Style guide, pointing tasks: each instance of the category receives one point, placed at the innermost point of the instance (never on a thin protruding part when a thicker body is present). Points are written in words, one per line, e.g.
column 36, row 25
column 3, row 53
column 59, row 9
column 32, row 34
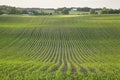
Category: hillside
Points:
column 64, row 47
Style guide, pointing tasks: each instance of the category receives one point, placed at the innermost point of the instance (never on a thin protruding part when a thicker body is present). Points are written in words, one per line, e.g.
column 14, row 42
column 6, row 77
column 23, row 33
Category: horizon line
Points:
column 60, row 7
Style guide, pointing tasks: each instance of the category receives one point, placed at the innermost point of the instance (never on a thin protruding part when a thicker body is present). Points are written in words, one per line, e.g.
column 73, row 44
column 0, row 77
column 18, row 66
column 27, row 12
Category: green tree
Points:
column 92, row 11
column 12, row 10
column 65, row 11
column 105, row 11
column 1, row 12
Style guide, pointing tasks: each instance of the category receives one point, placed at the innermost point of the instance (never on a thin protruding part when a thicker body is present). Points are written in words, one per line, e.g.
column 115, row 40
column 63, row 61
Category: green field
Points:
column 64, row 47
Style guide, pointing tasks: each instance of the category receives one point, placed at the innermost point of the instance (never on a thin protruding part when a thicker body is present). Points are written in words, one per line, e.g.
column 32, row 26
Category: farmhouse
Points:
column 74, row 9
column 98, row 11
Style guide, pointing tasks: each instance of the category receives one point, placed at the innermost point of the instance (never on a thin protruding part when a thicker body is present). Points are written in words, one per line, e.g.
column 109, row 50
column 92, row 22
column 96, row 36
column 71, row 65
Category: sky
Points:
column 115, row 4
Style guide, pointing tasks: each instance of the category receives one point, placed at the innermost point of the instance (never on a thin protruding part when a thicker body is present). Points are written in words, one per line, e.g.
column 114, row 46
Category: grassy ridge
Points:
column 60, row 47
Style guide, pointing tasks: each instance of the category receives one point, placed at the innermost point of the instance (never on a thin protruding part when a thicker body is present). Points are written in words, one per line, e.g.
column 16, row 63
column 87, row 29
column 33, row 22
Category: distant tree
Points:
column 65, row 11
column 85, row 9
column 50, row 13
column 42, row 12
column 92, row 11
column 36, row 12
column 12, row 10
column 1, row 12
column 116, row 11
column 105, row 11
column 18, row 11
column 110, row 11
column 79, row 9
column 24, row 11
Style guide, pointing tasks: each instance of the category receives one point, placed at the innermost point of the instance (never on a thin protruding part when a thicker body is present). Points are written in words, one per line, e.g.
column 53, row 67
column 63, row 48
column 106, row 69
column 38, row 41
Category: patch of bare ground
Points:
column 56, row 68
column 11, row 69
column 64, row 68
column 102, row 70
column 45, row 69
column 92, row 70
column 83, row 70
column 65, row 65
column 75, row 56
column 26, row 68
column 56, row 59
column 34, row 69
column 73, row 68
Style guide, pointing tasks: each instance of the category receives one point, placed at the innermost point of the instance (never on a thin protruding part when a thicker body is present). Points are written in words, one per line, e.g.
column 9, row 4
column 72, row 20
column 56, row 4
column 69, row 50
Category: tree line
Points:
column 41, row 11
column 16, row 10
column 104, row 11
